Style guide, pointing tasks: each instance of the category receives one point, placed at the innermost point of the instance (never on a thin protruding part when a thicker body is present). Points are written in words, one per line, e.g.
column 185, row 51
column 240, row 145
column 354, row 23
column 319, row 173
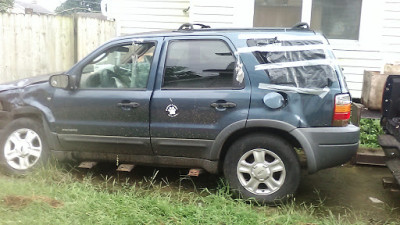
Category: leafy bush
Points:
column 370, row 129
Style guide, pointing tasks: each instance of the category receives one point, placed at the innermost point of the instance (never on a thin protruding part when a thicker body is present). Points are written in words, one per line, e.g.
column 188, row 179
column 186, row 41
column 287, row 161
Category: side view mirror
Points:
column 60, row 81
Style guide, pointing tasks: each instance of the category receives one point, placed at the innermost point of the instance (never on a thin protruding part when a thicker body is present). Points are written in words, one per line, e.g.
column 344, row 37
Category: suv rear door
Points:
column 201, row 88
column 299, row 70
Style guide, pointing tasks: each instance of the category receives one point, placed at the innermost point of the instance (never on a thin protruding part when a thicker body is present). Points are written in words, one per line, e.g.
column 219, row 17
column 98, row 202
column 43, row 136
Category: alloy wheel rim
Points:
column 261, row 171
column 22, row 149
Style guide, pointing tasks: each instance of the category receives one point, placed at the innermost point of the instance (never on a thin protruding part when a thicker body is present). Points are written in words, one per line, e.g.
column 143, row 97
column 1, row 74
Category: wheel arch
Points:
column 282, row 129
column 28, row 112
column 37, row 115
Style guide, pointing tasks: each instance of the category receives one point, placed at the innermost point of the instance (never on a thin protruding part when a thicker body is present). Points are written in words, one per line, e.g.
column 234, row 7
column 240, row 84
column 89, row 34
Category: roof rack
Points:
column 189, row 26
column 301, row 26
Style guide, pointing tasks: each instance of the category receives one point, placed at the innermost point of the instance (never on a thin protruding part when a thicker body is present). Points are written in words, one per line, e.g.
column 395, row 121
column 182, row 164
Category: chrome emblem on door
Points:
column 172, row 110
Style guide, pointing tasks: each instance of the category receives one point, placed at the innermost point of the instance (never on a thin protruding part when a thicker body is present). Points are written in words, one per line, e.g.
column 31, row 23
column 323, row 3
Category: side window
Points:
column 124, row 66
column 200, row 64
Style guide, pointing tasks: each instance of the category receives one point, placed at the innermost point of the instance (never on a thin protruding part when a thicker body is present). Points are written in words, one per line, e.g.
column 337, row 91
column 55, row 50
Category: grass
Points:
column 370, row 129
column 54, row 195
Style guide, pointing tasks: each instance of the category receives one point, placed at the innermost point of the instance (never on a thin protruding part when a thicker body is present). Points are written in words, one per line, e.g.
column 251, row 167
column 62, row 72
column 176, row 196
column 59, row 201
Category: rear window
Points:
column 294, row 63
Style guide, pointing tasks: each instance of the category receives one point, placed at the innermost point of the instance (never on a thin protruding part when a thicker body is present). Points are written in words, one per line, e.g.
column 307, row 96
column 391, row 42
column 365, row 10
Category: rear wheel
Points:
column 262, row 167
column 23, row 146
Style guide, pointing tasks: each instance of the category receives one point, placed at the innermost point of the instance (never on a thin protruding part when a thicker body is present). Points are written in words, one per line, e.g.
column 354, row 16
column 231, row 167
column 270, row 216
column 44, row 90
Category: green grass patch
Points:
column 54, row 195
column 370, row 129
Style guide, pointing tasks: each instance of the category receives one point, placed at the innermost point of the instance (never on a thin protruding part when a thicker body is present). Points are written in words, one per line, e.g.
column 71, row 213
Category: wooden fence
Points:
column 32, row 45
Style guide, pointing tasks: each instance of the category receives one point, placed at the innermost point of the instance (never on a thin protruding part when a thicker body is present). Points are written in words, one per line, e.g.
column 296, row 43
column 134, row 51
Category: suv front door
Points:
column 201, row 88
column 109, row 110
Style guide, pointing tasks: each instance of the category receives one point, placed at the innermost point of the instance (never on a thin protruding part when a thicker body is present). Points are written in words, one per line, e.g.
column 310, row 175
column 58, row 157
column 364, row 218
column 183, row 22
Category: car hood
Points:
column 26, row 82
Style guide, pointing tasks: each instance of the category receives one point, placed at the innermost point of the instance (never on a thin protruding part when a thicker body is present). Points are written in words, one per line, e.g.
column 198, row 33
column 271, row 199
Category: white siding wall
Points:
column 391, row 31
column 354, row 61
column 222, row 13
column 214, row 13
column 135, row 16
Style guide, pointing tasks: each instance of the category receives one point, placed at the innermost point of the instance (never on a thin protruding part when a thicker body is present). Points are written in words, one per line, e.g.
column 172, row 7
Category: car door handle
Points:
column 222, row 105
column 128, row 104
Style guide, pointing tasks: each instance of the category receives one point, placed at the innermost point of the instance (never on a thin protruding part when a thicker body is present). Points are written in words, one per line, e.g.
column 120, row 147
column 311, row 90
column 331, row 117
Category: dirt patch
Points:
column 52, row 202
column 15, row 201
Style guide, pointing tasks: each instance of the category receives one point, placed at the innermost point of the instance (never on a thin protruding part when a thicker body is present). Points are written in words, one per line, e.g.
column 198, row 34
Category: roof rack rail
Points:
column 189, row 26
column 301, row 26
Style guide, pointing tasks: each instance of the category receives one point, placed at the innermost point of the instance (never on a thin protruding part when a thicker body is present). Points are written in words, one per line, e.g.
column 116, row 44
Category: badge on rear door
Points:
column 172, row 110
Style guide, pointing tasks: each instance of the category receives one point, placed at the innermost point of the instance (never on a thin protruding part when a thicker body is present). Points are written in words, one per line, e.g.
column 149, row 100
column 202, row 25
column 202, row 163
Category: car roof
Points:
column 220, row 31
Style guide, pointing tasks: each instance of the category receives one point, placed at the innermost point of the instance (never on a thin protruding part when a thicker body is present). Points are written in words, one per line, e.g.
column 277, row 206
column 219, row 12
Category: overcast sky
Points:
column 48, row 4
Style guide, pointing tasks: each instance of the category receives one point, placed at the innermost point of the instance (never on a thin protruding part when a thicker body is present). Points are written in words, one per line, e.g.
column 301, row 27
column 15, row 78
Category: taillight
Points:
column 342, row 110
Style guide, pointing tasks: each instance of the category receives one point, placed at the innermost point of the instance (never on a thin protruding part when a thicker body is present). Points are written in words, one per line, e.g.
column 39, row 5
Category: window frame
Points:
column 97, row 54
column 306, row 14
column 365, row 33
column 200, row 38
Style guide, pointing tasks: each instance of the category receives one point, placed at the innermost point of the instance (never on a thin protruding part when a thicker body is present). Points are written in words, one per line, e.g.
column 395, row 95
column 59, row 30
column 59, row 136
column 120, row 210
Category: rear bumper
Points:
column 328, row 146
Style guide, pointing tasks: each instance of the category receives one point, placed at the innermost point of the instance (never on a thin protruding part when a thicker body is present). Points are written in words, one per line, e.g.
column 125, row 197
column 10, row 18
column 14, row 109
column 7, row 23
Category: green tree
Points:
column 74, row 6
column 5, row 5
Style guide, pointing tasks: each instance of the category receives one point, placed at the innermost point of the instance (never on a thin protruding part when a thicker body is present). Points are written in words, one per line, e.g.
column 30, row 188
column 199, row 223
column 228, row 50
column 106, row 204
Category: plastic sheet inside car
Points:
column 294, row 63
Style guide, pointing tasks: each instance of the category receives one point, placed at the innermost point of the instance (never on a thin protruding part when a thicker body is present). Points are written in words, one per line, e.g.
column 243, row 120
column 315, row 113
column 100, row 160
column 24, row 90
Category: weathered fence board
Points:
column 91, row 33
column 31, row 45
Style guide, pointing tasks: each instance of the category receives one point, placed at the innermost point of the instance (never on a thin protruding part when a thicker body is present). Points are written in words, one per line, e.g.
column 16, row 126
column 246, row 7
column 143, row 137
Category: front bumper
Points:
column 328, row 146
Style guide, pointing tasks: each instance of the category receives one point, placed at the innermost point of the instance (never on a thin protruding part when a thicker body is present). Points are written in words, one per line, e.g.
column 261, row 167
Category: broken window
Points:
column 294, row 63
column 119, row 67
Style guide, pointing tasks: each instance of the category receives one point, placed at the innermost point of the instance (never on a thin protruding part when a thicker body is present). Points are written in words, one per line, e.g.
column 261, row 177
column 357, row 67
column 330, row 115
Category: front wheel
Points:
column 262, row 167
column 23, row 146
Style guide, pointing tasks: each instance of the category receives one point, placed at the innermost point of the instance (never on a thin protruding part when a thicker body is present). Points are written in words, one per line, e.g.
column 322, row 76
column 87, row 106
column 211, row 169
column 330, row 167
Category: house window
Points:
column 336, row 19
column 277, row 13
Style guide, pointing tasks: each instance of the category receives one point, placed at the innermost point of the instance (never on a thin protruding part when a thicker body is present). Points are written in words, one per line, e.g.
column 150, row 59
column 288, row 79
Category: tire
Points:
column 262, row 167
column 23, row 146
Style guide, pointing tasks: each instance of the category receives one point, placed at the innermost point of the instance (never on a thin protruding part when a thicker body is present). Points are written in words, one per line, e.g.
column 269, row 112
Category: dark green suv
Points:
column 232, row 101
